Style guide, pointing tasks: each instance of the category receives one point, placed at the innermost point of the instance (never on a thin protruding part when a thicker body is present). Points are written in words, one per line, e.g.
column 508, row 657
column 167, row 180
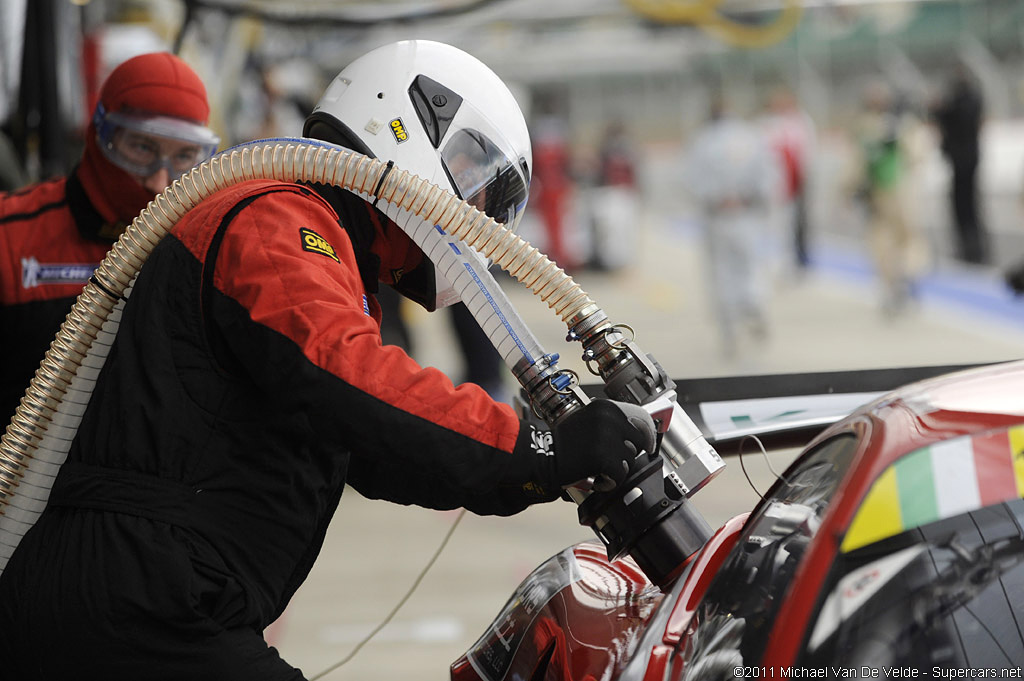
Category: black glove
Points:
column 600, row 440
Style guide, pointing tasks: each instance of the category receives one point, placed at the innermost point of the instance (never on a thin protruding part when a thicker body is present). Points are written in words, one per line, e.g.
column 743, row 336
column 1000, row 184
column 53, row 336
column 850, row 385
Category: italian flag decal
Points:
column 940, row 481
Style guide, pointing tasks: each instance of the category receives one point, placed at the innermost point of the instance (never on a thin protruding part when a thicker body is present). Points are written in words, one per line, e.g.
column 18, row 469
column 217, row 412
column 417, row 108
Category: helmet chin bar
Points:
column 648, row 517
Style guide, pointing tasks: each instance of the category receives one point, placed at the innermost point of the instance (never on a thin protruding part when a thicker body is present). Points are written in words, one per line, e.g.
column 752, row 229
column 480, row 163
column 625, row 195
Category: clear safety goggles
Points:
column 142, row 144
column 485, row 176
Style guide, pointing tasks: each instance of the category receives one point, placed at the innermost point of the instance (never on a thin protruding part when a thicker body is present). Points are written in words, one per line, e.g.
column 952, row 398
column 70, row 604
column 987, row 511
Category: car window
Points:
column 732, row 623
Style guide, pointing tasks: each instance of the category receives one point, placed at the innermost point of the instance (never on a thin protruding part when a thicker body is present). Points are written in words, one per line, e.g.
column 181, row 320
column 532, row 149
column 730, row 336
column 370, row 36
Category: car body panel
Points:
column 936, row 410
column 578, row 616
column 968, row 423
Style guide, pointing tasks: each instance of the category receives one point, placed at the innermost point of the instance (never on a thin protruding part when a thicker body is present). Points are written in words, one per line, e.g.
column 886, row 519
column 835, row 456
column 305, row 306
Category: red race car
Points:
column 892, row 547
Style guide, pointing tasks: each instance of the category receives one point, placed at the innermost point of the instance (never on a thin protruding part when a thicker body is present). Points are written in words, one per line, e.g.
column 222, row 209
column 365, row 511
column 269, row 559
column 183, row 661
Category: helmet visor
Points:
column 142, row 145
column 485, row 176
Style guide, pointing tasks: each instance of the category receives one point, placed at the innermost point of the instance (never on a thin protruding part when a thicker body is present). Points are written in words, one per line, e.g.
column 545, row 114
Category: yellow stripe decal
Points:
column 1017, row 453
column 879, row 516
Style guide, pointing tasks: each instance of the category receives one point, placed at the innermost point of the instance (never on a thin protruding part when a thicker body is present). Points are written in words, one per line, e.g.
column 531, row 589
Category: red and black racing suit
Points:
column 51, row 241
column 246, row 386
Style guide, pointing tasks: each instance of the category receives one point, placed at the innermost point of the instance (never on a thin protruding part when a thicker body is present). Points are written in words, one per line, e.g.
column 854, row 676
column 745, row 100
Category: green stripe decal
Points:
column 915, row 480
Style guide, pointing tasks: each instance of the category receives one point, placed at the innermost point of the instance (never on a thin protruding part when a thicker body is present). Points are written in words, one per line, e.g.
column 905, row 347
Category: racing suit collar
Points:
column 398, row 254
column 91, row 224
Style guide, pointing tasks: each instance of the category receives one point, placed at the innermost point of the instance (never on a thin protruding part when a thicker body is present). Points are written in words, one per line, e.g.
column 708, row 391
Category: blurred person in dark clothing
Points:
column 148, row 128
column 12, row 175
column 481, row 363
column 393, row 329
column 959, row 118
column 617, row 162
column 614, row 201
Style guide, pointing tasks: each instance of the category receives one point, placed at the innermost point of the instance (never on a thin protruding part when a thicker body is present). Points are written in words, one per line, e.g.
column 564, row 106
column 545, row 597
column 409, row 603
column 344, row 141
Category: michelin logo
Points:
column 34, row 273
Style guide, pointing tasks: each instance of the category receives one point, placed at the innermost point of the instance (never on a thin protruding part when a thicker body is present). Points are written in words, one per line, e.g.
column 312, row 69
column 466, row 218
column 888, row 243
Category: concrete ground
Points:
column 828, row 318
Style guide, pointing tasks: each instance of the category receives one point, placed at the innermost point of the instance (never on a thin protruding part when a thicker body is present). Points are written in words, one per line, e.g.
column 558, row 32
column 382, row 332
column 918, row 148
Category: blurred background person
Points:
column 148, row 128
column 731, row 175
column 393, row 328
column 791, row 135
column 890, row 142
column 614, row 200
column 12, row 175
column 551, row 190
column 481, row 363
column 959, row 115
column 287, row 90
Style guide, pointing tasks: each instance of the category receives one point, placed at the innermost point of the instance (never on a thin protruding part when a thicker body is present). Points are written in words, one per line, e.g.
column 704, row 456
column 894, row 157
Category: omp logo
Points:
column 398, row 130
column 541, row 441
column 314, row 243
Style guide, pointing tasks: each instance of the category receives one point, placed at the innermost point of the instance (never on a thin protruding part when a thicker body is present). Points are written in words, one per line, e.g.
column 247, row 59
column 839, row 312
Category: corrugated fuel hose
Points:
column 39, row 435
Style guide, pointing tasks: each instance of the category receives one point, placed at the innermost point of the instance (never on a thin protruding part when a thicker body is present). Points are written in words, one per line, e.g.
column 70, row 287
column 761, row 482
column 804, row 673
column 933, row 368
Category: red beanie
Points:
column 158, row 83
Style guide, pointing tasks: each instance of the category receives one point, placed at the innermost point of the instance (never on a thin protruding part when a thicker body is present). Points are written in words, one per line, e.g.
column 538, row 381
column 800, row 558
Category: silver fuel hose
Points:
column 38, row 438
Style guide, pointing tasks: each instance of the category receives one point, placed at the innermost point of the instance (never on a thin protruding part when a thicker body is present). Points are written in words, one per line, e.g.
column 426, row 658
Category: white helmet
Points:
column 439, row 113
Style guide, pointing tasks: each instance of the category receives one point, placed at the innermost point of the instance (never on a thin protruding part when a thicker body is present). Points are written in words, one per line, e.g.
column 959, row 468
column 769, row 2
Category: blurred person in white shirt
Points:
column 732, row 176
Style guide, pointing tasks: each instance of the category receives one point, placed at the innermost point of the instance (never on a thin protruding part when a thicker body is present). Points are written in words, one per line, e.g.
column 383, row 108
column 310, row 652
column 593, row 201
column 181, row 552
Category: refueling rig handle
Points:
column 647, row 516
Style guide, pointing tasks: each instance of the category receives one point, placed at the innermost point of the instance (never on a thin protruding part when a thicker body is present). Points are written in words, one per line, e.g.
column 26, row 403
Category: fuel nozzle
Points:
column 631, row 376
column 648, row 515
column 683, row 447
